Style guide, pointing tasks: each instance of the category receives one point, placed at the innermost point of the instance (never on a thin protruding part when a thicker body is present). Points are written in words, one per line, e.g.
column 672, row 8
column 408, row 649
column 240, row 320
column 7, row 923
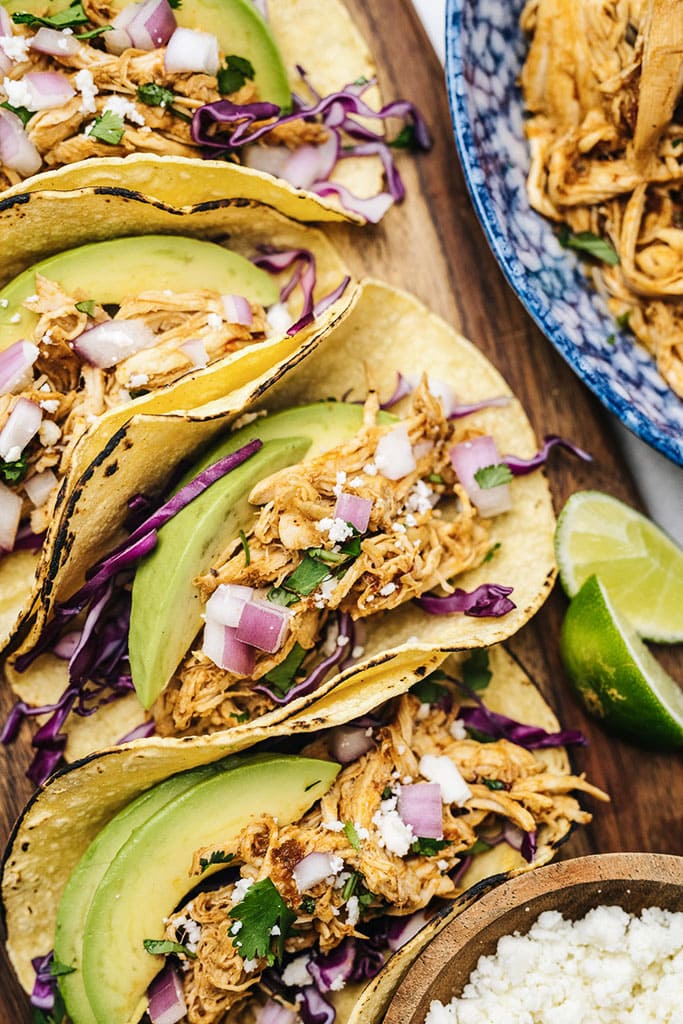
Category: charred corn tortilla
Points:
column 42, row 224
column 383, row 324
column 320, row 38
column 63, row 819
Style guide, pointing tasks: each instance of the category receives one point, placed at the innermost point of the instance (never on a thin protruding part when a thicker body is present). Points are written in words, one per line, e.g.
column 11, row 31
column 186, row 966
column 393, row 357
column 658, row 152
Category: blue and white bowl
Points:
column 485, row 50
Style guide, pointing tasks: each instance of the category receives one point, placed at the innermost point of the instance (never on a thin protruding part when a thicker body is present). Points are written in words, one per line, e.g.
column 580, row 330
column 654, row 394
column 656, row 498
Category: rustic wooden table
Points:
column 433, row 246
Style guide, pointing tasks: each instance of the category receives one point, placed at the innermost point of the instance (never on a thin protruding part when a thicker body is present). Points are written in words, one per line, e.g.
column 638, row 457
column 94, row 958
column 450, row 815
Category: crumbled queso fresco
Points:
column 610, row 967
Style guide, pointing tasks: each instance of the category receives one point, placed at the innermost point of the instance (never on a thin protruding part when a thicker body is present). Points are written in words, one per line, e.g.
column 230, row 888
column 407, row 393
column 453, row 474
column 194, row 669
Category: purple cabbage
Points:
column 520, row 467
column 140, row 732
column 490, row 600
column 43, row 992
column 486, row 403
column 313, row 1008
column 304, row 274
column 339, row 657
column 27, row 540
column 531, row 737
column 327, row 970
column 528, row 848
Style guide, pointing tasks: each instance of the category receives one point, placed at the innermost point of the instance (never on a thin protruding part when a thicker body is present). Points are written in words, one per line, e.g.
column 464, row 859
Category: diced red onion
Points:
column 405, row 928
column 308, row 164
column 53, row 42
column 237, row 310
column 67, row 645
column 15, row 365
column 263, row 625
column 403, row 388
column 354, row 510
column 43, row 992
column 16, row 149
column 166, row 1000
column 275, row 1013
column 469, row 457
column 107, row 344
column 347, row 743
column 118, row 40
column 227, row 602
column 420, row 806
column 152, row 26
column 40, row 486
column 48, row 89
column 10, row 514
column 269, row 159
column 5, row 22
column 5, row 61
column 189, row 50
column 23, row 425
column 394, row 456
column 225, row 650
column 195, row 350
column 312, row 870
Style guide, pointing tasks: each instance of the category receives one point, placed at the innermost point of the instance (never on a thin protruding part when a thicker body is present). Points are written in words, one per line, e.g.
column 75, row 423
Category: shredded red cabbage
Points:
column 333, row 970
column 529, row 844
column 490, row 600
column 27, row 540
column 486, row 403
column 460, row 869
column 275, row 262
column 313, row 1009
column 43, row 993
column 531, row 737
column 339, row 657
column 520, row 467
column 140, row 732
column 402, row 390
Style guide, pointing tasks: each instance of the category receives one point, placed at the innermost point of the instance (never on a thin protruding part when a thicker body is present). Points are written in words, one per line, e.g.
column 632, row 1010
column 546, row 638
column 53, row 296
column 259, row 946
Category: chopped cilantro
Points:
column 94, row 32
column 428, row 691
column 161, row 947
column 493, row 476
column 428, row 847
column 475, row 670
column 13, row 472
column 58, row 969
column 234, row 74
column 245, row 547
column 355, row 884
column 406, row 139
column 677, row 142
column 387, row 793
column 351, row 547
column 590, row 243
column 331, row 557
column 216, row 857
column 494, row 784
column 307, row 576
column 108, row 128
column 70, row 16
column 350, row 886
column 22, row 113
column 278, row 595
column 87, row 306
column 480, row 737
column 244, row 717
column 435, row 478
column 282, row 677
column 307, row 905
column 175, row 4
column 352, row 834
column 479, row 847
column 157, row 96
column 491, row 552
column 361, row 81
column 611, row 339
column 260, row 910
column 313, row 569
column 624, row 319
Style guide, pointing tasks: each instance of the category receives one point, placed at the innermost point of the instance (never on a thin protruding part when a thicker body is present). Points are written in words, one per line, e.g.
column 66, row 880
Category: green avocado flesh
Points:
column 166, row 609
column 240, row 29
column 148, row 877
column 111, row 271
column 77, row 896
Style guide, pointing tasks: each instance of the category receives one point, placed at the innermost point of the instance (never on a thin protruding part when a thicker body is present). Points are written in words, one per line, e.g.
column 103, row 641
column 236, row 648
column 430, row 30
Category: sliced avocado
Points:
column 166, row 610
column 111, row 271
column 148, row 877
column 237, row 24
column 77, row 896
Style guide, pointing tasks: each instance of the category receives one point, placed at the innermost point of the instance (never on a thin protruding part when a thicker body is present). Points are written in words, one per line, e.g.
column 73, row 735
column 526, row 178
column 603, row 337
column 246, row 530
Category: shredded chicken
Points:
column 411, row 547
column 219, row 985
column 602, row 82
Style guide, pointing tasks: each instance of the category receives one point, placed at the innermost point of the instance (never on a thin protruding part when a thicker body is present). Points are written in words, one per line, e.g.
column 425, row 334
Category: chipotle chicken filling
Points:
column 378, row 864
column 71, row 393
column 602, row 83
column 422, row 532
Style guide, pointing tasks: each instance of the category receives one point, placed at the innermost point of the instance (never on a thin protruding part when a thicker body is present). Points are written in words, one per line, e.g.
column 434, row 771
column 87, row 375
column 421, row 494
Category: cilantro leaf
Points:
column 22, row 113
column 13, row 472
column 624, row 318
column 278, row 595
column 108, row 128
column 388, row 792
column 428, row 691
column 282, row 677
column 307, row 905
column 244, row 717
column 426, row 847
column 161, row 947
column 216, row 857
column 307, row 576
column 494, row 784
column 493, row 476
column 58, row 969
column 87, row 306
column 155, row 95
column 175, row 4
column 611, row 339
column 352, row 834
column 350, row 886
column 406, row 139
column 479, row 847
column 235, row 73
column 70, row 16
column 491, row 552
column 475, row 670
column 590, row 243
column 245, row 547
column 261, row 909
column 95, row 32
column 435, row 478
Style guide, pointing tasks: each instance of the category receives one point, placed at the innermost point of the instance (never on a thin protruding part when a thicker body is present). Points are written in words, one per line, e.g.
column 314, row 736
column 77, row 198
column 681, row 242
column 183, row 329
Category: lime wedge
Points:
column 640, row 566
column 614, row 674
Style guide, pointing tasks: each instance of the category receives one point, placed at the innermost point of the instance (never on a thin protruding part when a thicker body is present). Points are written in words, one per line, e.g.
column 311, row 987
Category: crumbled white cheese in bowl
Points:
column 609, row 967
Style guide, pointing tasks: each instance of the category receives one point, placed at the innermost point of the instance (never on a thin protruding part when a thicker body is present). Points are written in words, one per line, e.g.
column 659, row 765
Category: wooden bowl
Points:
column 630, row 880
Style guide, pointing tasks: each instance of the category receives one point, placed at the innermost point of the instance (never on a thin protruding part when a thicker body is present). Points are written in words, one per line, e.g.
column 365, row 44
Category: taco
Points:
column 139, row 323
column 190, row 86
column 342, row 530
column 281, row 882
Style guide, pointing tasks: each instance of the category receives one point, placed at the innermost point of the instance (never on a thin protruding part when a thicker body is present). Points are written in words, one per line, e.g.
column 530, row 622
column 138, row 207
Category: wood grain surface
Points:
column 433, row 245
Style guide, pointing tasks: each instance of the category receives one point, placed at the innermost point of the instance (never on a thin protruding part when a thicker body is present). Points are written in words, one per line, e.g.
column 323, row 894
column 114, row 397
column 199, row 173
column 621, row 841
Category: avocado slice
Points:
column 78, row 894
column 113, row 270
column 149, row 877
column 166, row 611
column 239, row 27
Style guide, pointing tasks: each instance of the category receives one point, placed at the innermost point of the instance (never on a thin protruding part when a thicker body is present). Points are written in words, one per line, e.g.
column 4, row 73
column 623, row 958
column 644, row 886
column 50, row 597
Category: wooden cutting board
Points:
column 433, row 245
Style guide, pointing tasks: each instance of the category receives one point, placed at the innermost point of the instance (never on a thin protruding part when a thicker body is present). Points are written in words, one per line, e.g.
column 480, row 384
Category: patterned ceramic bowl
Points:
column 485, row 51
